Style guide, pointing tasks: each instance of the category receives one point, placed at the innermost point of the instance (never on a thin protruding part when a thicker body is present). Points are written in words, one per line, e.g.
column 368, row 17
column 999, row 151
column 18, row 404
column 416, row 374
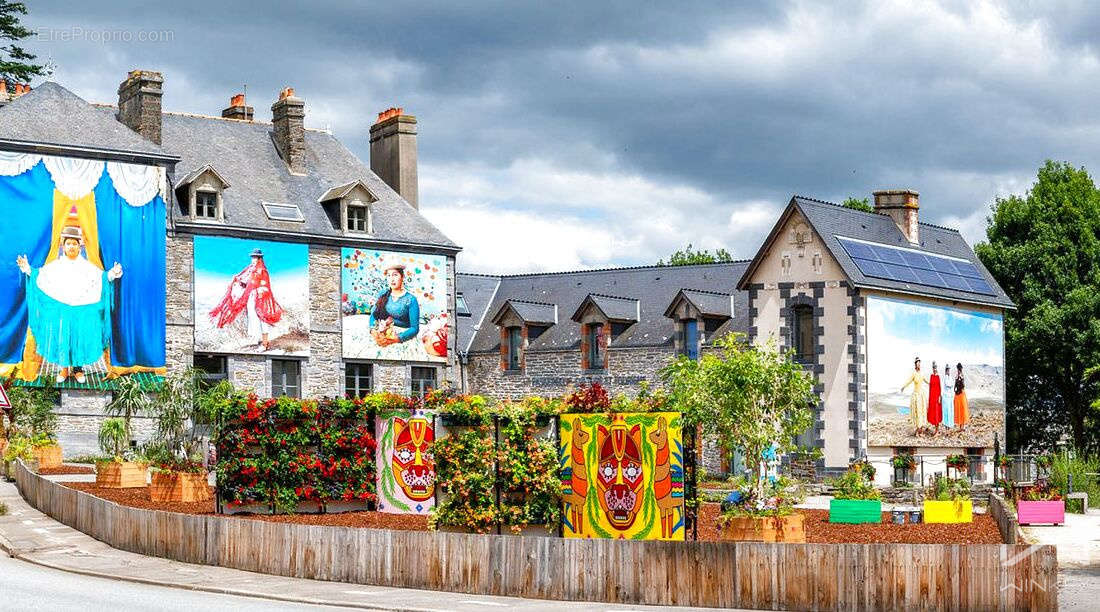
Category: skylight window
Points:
column 461, row 309
column 283, row 212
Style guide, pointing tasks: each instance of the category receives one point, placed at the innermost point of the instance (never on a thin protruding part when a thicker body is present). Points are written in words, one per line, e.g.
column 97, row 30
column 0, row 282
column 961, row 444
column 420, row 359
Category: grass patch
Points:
column 3, row 508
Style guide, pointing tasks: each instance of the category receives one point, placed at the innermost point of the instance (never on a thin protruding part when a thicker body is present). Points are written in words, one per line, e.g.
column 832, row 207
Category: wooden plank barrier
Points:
column 714, row 574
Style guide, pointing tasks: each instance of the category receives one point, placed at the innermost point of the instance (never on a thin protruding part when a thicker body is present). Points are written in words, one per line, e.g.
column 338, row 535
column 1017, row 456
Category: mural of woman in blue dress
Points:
column 396, row 314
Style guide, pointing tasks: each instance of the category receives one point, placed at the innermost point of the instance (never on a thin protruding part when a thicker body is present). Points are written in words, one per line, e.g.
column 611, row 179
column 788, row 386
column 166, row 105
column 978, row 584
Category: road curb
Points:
column 222, row 590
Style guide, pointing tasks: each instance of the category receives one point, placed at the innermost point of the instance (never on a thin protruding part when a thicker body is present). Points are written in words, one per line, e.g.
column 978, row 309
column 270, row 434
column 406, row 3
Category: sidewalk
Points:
column 1078, row 541
column 31, row 536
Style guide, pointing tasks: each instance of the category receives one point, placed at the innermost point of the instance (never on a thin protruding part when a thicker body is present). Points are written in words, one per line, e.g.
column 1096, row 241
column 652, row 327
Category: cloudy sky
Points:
column 560, row 135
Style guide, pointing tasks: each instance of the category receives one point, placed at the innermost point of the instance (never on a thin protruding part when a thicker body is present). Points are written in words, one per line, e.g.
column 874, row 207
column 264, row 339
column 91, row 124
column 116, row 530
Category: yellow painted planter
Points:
column 948, row 511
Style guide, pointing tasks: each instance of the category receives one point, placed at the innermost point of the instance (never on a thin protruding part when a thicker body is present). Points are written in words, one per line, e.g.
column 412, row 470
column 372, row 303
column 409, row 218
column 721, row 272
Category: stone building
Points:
column 279, row 181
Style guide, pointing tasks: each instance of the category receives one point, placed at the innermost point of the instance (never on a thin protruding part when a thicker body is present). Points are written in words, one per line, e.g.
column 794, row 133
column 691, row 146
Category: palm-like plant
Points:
column 113, row 437
column 130, row 400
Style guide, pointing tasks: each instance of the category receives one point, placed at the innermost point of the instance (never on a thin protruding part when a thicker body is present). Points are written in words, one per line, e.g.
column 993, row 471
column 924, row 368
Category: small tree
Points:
column 32, row 412
column 130, row 400
column 748, row 398
column 176, row 410
column 113, row 438
column 858, row 204
column 15, row 61
column 688, row 257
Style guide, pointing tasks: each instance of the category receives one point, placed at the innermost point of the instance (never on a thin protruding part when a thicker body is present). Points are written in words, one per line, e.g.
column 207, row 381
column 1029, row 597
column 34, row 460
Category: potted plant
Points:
column 124, row 470
column 755, row 399
column 178, row 471
column 855, row 499
column 1040, row 503
column 948, row 501
column 957, row 462
column 770, row 518
column 904, row 463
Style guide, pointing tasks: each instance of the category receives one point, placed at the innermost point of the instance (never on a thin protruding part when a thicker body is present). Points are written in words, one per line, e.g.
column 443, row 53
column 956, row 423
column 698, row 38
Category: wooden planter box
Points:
column 855, row 511
column 1033, row 512
column 48, row 456
column 765, row 529
column 120, row 474
column 948, row 511
column 179, row 487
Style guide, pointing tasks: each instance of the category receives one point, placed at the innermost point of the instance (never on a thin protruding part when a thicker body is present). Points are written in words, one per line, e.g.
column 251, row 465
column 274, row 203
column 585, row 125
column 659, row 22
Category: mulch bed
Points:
column 138, row 497
column 66, row 470
column 818, row 529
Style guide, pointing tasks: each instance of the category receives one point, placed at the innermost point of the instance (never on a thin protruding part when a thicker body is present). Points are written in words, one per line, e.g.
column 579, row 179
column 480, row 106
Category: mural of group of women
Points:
column 944, row 401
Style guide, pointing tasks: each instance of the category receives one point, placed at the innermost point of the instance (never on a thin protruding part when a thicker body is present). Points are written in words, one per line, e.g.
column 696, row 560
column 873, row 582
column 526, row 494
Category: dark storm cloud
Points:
column 653, row 123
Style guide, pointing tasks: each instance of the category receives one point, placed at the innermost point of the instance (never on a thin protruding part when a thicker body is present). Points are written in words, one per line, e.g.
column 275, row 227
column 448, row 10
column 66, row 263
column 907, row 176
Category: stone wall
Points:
column 80, row 416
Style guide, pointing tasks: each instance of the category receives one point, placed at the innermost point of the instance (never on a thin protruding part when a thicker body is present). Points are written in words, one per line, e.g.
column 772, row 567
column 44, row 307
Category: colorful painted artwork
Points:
column 251, row 296
column 406, row 472
column 394, row 305
column 623, row 476
column 82, row 271
column 935, row 375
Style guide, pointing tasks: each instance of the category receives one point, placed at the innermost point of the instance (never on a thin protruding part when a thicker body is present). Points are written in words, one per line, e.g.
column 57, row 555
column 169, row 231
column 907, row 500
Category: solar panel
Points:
column 909, row 266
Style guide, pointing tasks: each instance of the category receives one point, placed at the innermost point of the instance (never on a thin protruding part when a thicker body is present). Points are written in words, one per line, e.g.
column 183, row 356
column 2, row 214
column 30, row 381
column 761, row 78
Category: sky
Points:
column 218, row 256
column 567, row 135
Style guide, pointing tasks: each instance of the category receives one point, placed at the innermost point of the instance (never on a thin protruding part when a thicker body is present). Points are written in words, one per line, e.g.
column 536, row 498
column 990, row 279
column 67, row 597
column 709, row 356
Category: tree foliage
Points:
column 687, row 257
column 1044, row 250
column 15, row 62
column 862, row 204
column 748, row 398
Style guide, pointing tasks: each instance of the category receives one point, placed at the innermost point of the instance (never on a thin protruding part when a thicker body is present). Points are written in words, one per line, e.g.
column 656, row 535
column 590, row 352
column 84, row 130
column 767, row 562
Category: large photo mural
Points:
column 394, row 305
column 406, row 469
column 82, row 271
column 935, row 375
column 622, row 476
column 251, row 296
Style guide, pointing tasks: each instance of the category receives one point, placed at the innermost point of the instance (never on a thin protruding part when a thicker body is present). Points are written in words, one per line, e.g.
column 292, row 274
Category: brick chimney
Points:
column 237, row 109
column 393, row 152
column 139, row 103
column 7, row 95
column 901, row 205
column 288, row 119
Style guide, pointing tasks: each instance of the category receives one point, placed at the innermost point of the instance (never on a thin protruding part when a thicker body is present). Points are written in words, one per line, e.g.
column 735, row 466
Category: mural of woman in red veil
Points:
column 250, row 292
column 935, row 408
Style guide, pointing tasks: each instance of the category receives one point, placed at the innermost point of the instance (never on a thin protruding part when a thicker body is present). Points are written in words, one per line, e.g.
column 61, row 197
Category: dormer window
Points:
column 348, row 207
column 206, row 205
column 515, row 348
column 357, row 218
column 595, row 352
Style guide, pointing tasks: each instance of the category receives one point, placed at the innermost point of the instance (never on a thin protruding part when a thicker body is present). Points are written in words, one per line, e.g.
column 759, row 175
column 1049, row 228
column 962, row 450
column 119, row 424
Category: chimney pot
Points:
column 288, row 120
column 139, row 103
column 238, row 109
column 393, row 152
column 901, row 205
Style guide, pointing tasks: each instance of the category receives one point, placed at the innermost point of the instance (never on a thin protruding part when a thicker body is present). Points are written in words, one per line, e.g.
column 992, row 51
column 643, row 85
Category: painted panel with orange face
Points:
column 406, row 469
column 622, row 475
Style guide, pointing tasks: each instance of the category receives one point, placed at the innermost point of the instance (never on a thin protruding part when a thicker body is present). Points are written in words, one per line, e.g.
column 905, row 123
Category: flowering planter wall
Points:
column 120, row 474
column 855, row 511
column 1034, row 512
column 948, row 511
column 179, row 487
column 48, row 456
column 764, row 529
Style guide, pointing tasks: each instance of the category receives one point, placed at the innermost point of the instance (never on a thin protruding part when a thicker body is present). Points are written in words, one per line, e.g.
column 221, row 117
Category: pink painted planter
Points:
column 1032, row 512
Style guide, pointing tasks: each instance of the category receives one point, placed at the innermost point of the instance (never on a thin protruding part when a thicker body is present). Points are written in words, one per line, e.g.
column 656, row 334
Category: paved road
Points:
column 25, row 586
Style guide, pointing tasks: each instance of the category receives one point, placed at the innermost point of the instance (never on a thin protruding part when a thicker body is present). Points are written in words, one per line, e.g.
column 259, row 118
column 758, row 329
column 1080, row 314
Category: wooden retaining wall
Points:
column 719, row 574
column 1005, row 517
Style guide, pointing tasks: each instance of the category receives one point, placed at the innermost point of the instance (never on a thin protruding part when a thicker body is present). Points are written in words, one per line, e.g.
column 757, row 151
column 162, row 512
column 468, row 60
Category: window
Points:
column 286, row 378
column 283, row 212
column 423, row 380
column 802, row 333
column 594, row 335
column 515, row 348
column 461, row 309
column 689, row 338
column 357, row 218
column 214, row 369
column 357, row 379
column 711, row 325
column 206, row 205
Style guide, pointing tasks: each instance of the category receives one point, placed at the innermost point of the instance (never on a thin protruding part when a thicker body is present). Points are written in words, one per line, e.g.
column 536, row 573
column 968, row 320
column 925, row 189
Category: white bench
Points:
column 1084, row 497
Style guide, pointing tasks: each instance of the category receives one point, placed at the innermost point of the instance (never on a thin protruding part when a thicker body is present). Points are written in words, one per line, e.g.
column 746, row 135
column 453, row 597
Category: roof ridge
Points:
column 614, row 269
column 705, row 291
column 481, row 274
column 214, row 117
column 815, row 200
column 615, row 297
column 530, row 302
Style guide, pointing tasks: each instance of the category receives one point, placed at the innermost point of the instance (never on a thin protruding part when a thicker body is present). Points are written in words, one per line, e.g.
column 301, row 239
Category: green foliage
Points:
column 89, row 458
column 464, row 475
column 32, row 409
column 765, row 498
column 113, row 438
column 854, row 484
column 687, row 257
column 19, row 447
column 904, row 460
column 949, row 489
column 15, row 62
column 865, row 466
column 527, row 466
column 1044, row 250
column 3, row 509
column 858, row 204
column 1082, row 470
column 130, row 400
column 748, row 398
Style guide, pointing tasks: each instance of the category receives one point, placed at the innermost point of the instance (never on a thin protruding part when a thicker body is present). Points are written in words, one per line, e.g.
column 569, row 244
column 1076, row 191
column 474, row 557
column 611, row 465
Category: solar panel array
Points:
column 908, row 266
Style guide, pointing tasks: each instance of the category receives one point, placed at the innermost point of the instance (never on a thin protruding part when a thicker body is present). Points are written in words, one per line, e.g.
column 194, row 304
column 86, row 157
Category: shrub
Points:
column 854, row 485
column 949, row 489
column 3, row 509
column 1065, row 465
column 33, row 411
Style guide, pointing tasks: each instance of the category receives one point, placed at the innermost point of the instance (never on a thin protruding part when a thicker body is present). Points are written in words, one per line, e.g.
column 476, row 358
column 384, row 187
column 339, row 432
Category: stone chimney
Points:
column 139, row 103
column 901, row 205
column 393, row 152
column 288, row 119
column 7, row 95
column 237, row 109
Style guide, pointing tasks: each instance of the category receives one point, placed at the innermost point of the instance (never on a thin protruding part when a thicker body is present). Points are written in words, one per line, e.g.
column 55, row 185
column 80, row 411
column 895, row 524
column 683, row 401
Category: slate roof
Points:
column 832, row 220
column 73, row 124
column 655, row 286
column 613, row 307
column 709, row 303
column 530, row 312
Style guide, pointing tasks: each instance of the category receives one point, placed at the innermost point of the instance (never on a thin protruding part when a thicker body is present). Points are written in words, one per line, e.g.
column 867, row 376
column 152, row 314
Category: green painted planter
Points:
column 855, row 511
